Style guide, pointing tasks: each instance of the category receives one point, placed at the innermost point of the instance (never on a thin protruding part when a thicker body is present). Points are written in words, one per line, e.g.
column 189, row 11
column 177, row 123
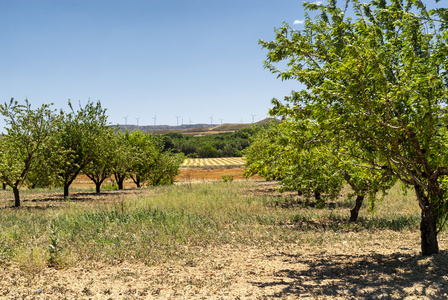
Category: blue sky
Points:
column 198, row 60
column 195, row 59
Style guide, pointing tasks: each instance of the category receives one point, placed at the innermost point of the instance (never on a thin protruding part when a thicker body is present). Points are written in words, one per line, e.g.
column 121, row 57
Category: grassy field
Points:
column 178, row 225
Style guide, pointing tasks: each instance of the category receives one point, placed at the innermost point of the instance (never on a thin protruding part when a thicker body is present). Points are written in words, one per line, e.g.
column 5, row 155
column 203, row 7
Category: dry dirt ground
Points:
column 386, row 267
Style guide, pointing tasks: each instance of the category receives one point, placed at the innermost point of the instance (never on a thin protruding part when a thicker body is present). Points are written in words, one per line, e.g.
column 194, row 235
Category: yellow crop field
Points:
column 213, row 162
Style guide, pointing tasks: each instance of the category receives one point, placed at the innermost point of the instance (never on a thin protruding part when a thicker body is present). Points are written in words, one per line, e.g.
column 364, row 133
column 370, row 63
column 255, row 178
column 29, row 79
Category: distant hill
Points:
column 193, row 129
column 147, row 128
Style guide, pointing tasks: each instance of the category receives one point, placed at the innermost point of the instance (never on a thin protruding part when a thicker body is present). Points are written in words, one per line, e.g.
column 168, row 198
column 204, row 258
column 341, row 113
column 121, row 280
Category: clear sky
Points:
column 156, row 60
column 194, row 59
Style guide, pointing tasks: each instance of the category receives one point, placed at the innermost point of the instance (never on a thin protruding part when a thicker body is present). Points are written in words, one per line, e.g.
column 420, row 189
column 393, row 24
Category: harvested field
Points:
column 214, row 162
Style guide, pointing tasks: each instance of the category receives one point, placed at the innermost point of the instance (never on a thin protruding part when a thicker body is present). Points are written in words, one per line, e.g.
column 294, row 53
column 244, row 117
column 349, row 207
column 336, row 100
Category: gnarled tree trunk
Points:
column 317, row 195
column 66, row 186
column 428, row 224
column 119, row 178
column 355, row 210
column 98, row 186
column 136, row 180
column 15, row 190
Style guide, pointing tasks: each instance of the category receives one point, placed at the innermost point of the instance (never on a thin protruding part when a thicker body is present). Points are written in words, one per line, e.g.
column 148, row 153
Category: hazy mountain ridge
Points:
column 194, row 129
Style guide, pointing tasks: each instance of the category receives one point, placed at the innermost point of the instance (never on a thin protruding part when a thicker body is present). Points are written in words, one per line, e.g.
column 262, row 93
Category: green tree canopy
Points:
column 101, row 166
column 122, row 157
column 288, row 152
column 145, row 148
column 79, row 138
column 376, row 80
column 28, row 141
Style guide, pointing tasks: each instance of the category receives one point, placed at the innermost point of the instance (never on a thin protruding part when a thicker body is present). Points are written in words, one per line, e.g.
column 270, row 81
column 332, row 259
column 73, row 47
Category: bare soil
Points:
column 387, row 266
column 390, row 269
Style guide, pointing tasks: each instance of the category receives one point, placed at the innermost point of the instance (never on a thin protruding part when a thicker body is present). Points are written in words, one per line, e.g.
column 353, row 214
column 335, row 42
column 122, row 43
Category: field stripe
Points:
column 223, row 161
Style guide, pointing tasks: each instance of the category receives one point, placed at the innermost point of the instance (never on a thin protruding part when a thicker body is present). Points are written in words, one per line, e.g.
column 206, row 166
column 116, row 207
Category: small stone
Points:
column 38, row 291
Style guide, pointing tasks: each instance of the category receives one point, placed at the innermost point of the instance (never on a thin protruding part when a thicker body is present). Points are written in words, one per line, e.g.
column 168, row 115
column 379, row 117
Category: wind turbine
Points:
column 137, row 121
column 126, row 120
column 253, row 116
column 211, row 121
column 177, row 117
column 155, row 119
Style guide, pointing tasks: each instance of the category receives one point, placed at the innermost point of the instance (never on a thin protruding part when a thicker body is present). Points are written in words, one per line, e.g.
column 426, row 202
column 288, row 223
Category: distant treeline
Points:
column 229, row 144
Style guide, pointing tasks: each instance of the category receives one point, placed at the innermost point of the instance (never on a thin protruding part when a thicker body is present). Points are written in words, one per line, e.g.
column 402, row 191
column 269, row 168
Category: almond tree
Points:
column 165, row 168
column 280, row 153
column 122, row 157
column 79, row 138
column 101, row 166
column 304, row 160
column 29, row 138
column 377, row 81
column 143, row 149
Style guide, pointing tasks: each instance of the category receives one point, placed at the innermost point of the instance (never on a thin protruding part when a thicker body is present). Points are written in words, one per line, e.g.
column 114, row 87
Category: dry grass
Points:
column 262, row 243
column 156, row 224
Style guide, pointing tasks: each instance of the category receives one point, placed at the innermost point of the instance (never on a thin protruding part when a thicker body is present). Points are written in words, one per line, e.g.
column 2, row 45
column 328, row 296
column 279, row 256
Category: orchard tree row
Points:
column 372, row 104
column 44, row 147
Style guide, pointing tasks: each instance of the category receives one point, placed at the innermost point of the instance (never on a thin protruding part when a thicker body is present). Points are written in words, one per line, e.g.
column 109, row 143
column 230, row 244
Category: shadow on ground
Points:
column 51, row 200
column 369, row 276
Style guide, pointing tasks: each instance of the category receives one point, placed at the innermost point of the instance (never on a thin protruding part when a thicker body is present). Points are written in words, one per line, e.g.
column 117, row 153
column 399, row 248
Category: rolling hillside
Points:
column 194, row 129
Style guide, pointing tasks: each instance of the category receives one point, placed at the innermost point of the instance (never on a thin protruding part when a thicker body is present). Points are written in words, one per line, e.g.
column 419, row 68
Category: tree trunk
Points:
column 317, row 195
column 15, row 189
column 4, row 186
column 428, row 228
column 98, row 187
column 119, row 179
column 355, row 210
column 66, row 186
column 428, row 224
column 136, row 180
column 120, row 184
